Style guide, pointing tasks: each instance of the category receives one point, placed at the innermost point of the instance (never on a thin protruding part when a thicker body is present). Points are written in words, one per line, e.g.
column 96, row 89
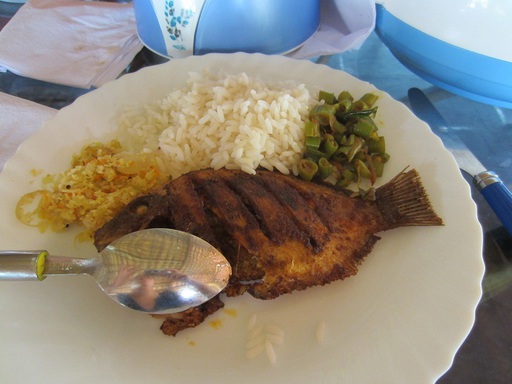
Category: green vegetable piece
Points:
column 344, row 105
column 322, row 113
column 329, row 146
column 378, row 165
column 377, row 146
column 346, row 116
column 342, row 150
column 368, row 195
column 339, row 137
column 314, row 154
column 336, row 126
column 346, row 177
column 328, row 97
column 345, row 95
column 313, row 142
column 348, row 140
column 369, row 99
column 312, row 128
column 339, row 157
column 360, row 105
column 361, row 155
column 365, row 128
column 325, row 168
column 362, row 169
column 369, row 164
column 307, row 169
column 354, row 150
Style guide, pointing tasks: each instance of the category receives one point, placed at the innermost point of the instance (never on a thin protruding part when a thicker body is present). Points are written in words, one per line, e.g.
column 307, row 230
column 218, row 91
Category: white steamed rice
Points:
column 215, row 121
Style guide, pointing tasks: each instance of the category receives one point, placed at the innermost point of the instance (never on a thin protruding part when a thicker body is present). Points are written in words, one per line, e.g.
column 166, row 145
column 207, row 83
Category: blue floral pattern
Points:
column 175, row 22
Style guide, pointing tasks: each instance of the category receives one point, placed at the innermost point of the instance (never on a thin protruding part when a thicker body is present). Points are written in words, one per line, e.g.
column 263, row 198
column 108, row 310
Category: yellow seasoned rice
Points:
column 101, row 180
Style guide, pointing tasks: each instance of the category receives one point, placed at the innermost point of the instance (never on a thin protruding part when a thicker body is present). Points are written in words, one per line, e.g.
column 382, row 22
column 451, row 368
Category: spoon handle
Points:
column 22, row 265
column 36, row 265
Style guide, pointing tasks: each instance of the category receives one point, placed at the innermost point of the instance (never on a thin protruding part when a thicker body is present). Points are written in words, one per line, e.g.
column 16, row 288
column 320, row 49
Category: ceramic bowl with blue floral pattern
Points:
column 180, row 28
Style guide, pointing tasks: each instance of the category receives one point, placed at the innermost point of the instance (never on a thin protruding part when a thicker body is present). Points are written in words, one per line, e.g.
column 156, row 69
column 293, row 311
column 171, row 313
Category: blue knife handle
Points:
column 499, row 198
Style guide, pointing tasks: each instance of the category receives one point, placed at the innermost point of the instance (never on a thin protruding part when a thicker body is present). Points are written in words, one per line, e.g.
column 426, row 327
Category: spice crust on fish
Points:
column 280, row 233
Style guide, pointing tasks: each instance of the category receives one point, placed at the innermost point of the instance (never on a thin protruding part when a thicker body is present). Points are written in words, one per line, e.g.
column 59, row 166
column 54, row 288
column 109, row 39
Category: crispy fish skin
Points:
column 280, row 233
column 190, row 317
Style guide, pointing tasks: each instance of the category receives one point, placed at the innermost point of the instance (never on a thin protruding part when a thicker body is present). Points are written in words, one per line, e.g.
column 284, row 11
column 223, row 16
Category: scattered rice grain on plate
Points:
column 320, row 331
column 252, row 321
column 271, row 352
column 255, row 351
column 262, row 338
column 274, row 339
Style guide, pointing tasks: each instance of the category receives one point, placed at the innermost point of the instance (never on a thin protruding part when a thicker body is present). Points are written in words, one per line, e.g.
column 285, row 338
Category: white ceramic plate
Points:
column 400, row 319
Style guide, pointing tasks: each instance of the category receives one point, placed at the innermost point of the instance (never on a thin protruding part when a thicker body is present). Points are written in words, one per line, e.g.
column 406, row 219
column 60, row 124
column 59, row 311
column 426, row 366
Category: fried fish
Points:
column 280, row 233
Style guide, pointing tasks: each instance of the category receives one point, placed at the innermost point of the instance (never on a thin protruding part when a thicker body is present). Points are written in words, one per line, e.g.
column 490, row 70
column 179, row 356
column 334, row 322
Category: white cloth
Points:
column 86, row 44
column 71, row 42
column 344, row 25
column 20, row 119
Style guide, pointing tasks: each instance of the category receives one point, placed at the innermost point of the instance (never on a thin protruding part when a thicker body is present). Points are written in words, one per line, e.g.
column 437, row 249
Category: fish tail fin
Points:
column 403, row 202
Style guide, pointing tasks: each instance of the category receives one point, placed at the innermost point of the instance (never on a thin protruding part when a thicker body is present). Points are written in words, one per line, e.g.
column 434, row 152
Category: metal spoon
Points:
column 153, row 270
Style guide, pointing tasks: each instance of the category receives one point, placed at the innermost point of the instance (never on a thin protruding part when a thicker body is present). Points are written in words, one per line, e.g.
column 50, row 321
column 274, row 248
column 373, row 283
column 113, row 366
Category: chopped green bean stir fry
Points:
column 342, row 140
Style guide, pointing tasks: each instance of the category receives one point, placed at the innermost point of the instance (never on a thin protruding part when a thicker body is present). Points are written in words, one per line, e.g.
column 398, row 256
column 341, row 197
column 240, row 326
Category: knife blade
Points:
column 497, row 195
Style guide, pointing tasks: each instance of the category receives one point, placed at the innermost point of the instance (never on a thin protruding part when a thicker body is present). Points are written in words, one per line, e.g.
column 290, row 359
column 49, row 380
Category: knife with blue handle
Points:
column 487, row 182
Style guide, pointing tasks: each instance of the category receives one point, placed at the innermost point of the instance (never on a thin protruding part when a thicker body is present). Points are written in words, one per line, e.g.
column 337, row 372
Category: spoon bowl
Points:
column 154, row 270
